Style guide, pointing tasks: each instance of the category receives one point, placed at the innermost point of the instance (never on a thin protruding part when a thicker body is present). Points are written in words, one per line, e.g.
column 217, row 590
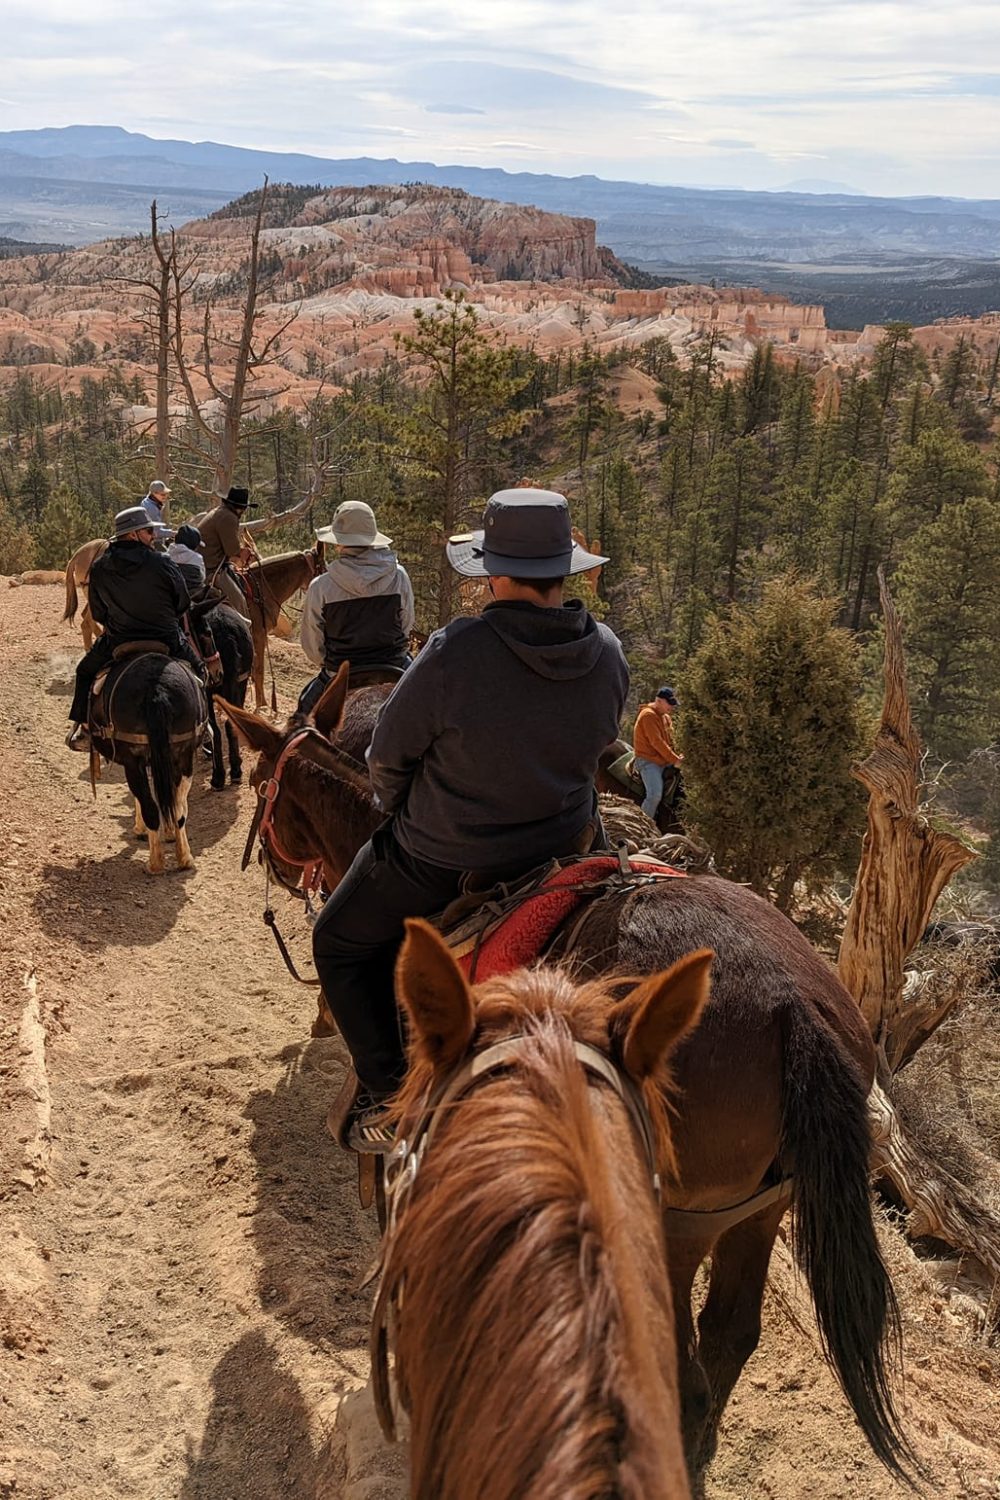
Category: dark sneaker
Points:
column 78, row 737
column 368, row 1131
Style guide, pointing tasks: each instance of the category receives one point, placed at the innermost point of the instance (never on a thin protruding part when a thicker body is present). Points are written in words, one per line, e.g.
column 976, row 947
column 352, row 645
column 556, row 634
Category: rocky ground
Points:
column 180, row 1242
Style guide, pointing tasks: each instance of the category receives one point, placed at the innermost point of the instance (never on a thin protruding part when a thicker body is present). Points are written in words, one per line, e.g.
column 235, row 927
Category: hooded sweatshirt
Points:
column 360, row 610
column 485, row 751
column 136, row 593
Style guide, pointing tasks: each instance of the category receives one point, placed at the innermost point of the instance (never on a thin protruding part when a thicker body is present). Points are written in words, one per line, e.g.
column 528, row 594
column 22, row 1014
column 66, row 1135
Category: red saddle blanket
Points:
column 512, row 940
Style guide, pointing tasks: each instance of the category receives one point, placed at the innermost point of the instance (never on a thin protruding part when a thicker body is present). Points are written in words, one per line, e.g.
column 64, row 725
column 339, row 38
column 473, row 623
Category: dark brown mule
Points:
column 773, row 1084
column 533, row 1328
column 273, row 581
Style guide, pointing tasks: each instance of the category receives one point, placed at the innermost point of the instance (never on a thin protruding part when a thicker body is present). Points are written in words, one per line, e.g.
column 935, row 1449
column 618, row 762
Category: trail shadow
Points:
column 256, row 1444
column 210, row 814
column 313, row 1237
column 113, row 901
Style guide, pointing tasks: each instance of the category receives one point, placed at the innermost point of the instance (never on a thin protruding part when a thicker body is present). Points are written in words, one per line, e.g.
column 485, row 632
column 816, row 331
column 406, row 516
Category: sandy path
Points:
column 181, row 1241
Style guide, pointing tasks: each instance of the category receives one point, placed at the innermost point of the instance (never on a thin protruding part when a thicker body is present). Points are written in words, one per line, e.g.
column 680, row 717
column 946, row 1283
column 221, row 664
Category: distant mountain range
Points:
column 866, row 258
column 83, row 182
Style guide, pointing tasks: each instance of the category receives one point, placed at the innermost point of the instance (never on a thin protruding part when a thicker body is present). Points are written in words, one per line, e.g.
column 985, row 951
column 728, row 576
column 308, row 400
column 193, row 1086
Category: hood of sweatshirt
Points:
column 360, row 575
column 129, row 558
column 556, row 643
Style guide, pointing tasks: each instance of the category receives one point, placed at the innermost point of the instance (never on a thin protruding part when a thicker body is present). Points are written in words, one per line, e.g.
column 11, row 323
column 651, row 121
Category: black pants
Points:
column 355, row 942
column 317, row 686
column 100, row 656
column 357, row 938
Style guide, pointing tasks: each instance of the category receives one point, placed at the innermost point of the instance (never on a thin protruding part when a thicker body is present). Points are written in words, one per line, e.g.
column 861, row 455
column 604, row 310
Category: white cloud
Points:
column 727, row 91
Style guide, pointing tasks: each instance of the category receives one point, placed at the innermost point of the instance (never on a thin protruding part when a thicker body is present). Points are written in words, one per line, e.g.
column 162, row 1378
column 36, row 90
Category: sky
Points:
column 882, row 98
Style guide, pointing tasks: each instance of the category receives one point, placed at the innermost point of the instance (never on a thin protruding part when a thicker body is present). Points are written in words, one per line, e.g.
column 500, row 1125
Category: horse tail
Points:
column 70, row 592
column 826, row 1138
column 160, row 712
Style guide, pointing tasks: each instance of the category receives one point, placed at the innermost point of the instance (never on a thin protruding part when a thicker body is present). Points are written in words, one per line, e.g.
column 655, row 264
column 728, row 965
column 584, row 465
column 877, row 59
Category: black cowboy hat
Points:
column 239, row 498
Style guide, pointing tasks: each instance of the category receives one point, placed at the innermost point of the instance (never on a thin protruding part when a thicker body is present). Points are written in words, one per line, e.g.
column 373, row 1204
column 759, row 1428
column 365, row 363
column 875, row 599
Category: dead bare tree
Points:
column 905, row 865
column 246, row 356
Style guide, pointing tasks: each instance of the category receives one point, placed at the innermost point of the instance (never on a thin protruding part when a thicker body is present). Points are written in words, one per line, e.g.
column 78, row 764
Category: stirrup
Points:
column 78, row 738
column 368, row 1132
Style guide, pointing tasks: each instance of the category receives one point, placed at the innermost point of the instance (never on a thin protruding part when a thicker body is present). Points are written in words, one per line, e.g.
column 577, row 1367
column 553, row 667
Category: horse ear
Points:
column 329, row 710
column 255, row 733
column 434, row 991
column 663, row 1009
column 320, row 550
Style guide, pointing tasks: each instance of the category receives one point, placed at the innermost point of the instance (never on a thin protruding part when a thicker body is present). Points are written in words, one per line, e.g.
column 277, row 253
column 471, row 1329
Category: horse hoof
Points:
column 218, row 786
column 236, row 777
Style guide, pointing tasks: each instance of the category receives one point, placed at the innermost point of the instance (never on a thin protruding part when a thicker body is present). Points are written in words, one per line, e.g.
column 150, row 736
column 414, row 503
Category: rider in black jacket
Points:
column 136, row 594
column 484, row 759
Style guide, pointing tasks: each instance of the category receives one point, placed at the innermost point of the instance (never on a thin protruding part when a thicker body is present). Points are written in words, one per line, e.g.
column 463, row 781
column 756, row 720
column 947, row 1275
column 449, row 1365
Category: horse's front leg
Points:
column 218, row 769
column 235, row 758
column 683, row 1259
column 259, row 647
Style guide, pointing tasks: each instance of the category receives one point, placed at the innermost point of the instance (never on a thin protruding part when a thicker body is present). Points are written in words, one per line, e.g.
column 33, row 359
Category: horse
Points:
column 152, row 719
column 526, row 1233
column 77, row 577
column 233, row 640
column 666, row 819
column 772, row 1093
column 270, row 583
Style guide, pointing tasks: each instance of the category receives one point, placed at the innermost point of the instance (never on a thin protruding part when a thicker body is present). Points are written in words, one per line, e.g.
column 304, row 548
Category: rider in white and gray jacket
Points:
column 360, row 610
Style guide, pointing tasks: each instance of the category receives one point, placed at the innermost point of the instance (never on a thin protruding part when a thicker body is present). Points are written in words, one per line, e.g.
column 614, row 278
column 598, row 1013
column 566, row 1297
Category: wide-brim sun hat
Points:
column 526, row 534
column 133, row 519
column 353, row 525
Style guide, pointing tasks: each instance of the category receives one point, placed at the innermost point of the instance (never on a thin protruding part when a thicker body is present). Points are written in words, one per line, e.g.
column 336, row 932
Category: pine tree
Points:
column 948, row 594
column 770, row 725
column 450, row 436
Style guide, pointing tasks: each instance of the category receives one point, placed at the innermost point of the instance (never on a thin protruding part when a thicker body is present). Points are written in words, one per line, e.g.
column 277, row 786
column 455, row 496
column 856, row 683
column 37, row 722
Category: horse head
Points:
column 525, row 1228
column 319, row 806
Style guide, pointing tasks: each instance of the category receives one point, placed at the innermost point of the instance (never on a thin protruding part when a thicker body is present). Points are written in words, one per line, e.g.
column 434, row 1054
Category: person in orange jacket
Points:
column 653, row 743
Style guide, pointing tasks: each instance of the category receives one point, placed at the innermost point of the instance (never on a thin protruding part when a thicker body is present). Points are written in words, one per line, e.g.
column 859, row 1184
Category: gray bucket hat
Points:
column 526, row 534
column 133, row 519
column 353, row 526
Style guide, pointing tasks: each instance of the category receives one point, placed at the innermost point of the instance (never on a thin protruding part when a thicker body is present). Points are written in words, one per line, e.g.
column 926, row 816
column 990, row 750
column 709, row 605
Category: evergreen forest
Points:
column 741, row 513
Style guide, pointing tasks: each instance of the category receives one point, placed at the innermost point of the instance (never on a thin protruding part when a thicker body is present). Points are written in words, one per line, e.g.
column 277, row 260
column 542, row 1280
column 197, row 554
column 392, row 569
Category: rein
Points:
column 402, row 1167
column 262, row 828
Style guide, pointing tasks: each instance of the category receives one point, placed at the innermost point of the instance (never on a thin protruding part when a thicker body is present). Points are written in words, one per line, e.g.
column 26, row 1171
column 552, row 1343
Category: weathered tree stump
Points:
column 905, row 865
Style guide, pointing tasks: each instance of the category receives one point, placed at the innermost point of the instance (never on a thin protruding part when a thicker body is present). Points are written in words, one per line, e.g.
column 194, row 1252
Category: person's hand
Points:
column 246, row 555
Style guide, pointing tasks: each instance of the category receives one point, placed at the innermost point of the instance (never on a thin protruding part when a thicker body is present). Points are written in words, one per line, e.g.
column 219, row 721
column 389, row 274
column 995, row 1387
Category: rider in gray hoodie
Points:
column 361, row 609
column 483, row 758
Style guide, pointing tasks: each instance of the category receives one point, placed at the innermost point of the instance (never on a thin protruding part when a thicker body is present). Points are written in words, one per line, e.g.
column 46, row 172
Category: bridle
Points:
column 413, row 1141
column 263, row 831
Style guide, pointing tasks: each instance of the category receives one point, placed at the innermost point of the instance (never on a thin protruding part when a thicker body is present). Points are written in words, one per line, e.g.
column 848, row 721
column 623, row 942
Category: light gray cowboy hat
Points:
column 526, row 534
column 353, row 526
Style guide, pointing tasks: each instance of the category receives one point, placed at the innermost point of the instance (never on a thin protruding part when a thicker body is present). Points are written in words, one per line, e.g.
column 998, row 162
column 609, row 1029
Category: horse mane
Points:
column 529, row 1247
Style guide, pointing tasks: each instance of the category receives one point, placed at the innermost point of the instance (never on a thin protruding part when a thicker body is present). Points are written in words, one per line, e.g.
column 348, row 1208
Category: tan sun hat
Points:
column 353, row 526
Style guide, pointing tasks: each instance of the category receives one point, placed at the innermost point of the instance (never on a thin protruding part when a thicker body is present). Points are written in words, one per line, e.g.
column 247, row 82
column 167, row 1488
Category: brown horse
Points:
column 271, row 582
column 529, row 1239
column 772, row 1085
column 77, row 578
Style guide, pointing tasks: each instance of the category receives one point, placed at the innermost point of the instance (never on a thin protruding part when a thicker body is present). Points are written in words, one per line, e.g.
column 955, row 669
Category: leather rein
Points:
column 263, row 830
column 402, row 1167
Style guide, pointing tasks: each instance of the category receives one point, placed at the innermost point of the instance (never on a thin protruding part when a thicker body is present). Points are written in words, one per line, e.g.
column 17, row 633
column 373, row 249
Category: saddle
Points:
column 125, row 649
column 513, row 924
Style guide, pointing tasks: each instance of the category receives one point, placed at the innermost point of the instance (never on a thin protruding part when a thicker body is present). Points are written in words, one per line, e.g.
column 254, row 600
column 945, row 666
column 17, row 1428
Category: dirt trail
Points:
column 179, row 1239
